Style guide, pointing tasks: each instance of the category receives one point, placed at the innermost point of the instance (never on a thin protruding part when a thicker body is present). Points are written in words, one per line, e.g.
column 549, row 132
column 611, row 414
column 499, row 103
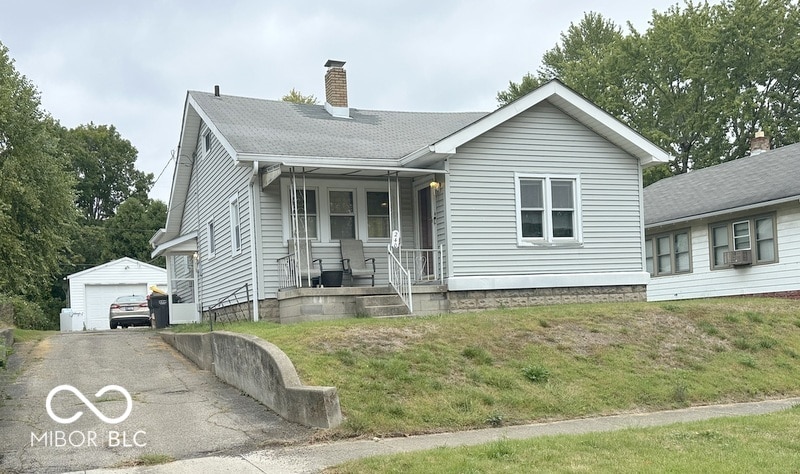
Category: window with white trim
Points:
column 668, row 254
column 757, row 234
column 342, row 214
column 236, row 235
column 207, row 142
column 548, row 209
column 211, row 244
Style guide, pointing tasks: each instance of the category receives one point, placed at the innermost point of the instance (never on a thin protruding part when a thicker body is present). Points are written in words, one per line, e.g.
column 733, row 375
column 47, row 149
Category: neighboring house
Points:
column 92, row 291
column 730, row 229
column 536, row 202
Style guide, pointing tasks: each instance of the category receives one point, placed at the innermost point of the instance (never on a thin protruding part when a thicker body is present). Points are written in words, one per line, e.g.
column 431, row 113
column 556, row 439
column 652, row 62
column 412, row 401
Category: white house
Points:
column 92, row 291
column 538, row 201
column 730, row 229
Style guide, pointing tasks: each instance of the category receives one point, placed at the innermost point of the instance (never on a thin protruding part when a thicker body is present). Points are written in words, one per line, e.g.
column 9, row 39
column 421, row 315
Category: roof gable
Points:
column 574, row 105
column 754, row 181
column 118, row 262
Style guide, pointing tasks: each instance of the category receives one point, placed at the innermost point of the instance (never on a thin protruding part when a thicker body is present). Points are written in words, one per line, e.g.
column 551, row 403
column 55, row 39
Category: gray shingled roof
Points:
column 281, row 128
column 766, row 177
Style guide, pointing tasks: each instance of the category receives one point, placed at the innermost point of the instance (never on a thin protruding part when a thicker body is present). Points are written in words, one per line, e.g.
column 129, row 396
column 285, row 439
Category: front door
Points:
column 423, row 261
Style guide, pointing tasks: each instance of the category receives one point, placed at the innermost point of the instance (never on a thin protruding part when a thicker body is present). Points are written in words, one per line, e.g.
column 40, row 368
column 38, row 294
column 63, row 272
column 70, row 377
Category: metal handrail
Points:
column 400, row 279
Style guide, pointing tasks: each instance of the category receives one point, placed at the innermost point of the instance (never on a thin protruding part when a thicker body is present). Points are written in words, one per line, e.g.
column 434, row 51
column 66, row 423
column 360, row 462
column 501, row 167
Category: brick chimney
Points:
column 336, row 89
column 759, row 144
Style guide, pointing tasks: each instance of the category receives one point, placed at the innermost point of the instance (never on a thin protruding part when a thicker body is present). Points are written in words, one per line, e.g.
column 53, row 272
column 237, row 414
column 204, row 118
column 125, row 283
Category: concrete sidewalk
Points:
column 314, row 458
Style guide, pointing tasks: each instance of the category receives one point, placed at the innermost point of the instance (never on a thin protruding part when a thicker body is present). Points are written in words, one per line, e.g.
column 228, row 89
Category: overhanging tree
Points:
column 104, row 165
column 36, row 199
column 699, row 82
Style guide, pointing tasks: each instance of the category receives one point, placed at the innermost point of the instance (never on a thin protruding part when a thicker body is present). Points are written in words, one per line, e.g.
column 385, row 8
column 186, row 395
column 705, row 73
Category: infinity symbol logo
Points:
column 105, row 419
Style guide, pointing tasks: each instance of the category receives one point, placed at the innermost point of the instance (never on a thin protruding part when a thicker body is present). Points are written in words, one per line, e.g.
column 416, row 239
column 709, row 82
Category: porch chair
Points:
column 353, row 262
column 309, row 266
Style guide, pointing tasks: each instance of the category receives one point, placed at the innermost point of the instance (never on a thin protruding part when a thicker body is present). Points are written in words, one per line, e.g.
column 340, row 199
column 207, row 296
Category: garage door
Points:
column 100, row 297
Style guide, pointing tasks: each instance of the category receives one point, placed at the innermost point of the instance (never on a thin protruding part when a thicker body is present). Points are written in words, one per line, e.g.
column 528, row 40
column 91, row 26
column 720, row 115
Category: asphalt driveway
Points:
column 159, row 403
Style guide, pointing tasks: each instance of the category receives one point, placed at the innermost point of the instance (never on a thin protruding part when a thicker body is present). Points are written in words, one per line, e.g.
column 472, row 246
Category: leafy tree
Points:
column 104, row 165
column 699, row 82
column 298, row 98
column 128, row 233
column 36, row 199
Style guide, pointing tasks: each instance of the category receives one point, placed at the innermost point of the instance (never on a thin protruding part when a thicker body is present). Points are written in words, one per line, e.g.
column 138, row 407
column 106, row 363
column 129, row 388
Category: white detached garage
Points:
column 92, row 291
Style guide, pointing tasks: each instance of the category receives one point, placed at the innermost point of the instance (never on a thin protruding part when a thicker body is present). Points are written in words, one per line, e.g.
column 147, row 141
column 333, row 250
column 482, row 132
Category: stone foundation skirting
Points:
column 474, row 300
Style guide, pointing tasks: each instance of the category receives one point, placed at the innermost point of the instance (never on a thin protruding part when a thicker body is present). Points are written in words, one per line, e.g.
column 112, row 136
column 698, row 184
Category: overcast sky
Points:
column 130, row 63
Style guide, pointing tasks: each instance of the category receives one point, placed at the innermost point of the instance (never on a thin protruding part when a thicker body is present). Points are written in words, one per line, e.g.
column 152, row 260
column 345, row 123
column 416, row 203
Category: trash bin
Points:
column 331, row 278
column 159, row 307
column 66, row 319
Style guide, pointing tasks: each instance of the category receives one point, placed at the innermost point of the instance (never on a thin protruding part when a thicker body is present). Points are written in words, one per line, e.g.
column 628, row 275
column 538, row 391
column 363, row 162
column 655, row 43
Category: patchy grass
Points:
column 31, row 335
column 764, row 443
column 463, row 371
column 148, row 460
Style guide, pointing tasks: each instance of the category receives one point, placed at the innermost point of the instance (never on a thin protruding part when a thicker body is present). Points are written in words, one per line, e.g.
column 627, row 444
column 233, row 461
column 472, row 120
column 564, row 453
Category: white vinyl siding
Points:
column 783, row 274
column 543, row 142
column 214, row 178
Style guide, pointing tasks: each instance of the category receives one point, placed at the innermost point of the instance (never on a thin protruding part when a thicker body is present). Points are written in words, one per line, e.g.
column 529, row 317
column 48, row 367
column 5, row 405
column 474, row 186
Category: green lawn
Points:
column 463, row 371
column 764, row 443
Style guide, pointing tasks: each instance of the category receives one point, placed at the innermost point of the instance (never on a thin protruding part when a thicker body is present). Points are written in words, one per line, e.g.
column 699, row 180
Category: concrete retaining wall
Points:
column 264, row 372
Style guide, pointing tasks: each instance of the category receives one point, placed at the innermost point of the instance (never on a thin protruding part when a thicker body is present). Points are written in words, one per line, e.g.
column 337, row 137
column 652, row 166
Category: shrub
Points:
column 26, row 315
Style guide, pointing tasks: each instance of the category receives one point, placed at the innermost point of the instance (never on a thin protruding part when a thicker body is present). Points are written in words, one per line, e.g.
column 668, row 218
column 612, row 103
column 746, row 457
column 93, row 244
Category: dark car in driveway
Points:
column 130, row 310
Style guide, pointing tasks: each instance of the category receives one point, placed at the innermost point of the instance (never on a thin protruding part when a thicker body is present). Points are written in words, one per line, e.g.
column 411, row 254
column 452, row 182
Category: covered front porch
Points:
column 389, row 215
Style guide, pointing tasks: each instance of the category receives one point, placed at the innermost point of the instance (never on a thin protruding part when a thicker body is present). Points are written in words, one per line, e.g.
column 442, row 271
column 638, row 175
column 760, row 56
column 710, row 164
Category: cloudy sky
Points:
column 130, row 63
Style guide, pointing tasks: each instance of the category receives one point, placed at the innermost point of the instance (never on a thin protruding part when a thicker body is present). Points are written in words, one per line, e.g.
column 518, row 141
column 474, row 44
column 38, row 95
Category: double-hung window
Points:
column 548, row 209
column 668, row 254
column 756, row 234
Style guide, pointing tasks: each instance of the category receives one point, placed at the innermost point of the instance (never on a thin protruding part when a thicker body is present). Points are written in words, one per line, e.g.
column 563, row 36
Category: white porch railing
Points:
column 400, row 279
column 424, row 265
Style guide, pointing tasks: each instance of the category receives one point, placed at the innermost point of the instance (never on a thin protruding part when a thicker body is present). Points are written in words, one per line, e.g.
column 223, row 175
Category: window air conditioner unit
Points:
column 739, row 257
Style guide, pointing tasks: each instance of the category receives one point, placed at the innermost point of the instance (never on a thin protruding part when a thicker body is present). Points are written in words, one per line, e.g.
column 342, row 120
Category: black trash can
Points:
column 159, row 305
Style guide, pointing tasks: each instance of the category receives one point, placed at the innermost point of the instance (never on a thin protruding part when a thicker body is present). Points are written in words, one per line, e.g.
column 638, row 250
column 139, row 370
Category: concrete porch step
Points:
column 380, row 306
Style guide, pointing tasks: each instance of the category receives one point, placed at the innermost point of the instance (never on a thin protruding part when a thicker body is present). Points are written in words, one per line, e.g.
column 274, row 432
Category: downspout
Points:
column 255, row 238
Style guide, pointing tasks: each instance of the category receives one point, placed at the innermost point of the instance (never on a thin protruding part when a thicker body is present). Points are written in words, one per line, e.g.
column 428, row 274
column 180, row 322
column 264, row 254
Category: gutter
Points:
column 255, row 237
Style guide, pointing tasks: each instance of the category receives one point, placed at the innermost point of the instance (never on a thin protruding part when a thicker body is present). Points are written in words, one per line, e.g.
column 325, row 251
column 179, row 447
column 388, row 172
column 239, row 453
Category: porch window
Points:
column 236, row 236
column 548, row 209
column 307, row 212
column 377, row 214
column 342, row 215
